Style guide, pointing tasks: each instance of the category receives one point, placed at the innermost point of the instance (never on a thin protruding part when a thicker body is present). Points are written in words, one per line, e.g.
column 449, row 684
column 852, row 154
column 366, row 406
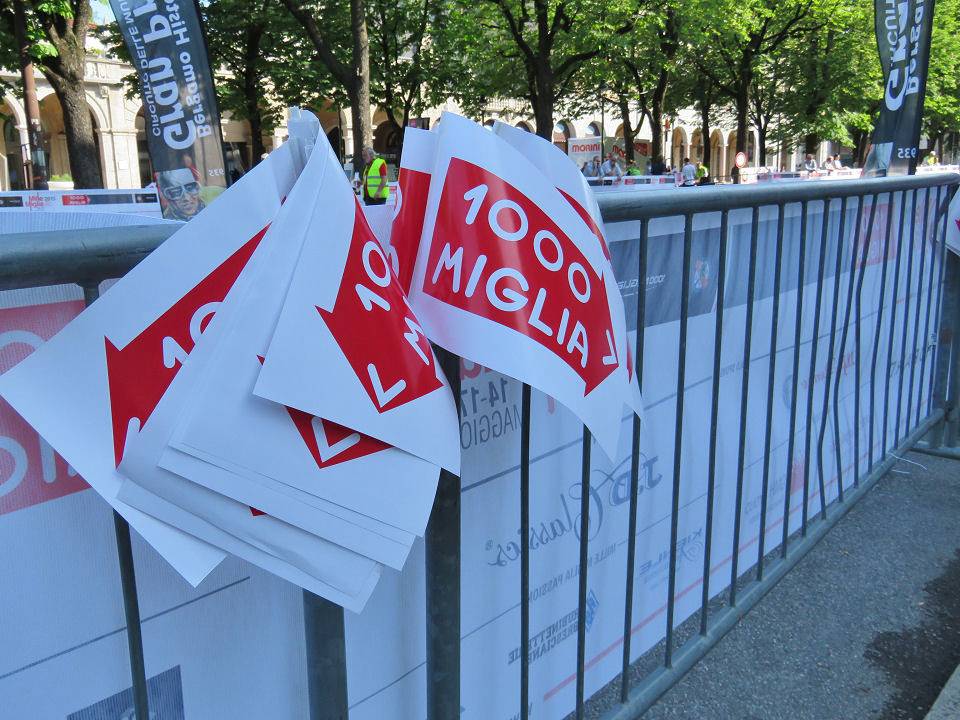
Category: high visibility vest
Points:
column 372, row 177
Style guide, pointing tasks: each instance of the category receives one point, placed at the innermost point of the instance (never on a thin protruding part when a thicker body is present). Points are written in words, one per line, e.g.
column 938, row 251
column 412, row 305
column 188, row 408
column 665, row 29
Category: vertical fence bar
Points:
column 838, row 375
column 768, row 432
column 938, row 306
column 893, row 324
column 828, row 366
column 952, row 427
column 916, row 318
column 811, row 382
column 525, row 552
column 634, row 463
column 906, row 315
column 678, row 433
column 879, row 330
column 932, row 289
column 714, row 413
column 128, row 586
column 326, row 650
column 584, row 553
column 744, row 396
column 945, row 377
column 442, row 566
column 861, row 274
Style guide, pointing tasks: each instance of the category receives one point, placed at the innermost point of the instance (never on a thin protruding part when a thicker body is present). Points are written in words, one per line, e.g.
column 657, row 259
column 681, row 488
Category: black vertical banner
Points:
column 180, row 108
column 904, row 29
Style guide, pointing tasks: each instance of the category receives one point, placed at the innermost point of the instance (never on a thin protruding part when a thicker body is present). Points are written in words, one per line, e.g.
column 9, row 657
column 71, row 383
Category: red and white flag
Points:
column 508, row 275
column 348, row 347
column 315, row 474
column 413, row 190
column 555, row 165
column 91, row 388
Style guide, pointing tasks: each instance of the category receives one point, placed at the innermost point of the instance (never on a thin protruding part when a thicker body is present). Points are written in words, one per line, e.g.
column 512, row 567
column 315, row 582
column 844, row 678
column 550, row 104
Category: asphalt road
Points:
column 867, row 626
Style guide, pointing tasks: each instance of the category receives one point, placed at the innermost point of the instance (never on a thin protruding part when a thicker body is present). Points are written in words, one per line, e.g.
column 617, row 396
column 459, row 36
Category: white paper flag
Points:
column 556, row 166
column 312, row 473
column 347, row 346
column 325, row 568
column 509, row 276
column 102, row 376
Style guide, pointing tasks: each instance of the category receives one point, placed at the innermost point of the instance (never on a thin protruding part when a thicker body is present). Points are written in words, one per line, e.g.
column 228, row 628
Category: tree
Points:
column 410, row 69
column 741, row 33
column 250, row 39
column 765, row 97
column 56, row 34
column 828, row 75
column 532, row 49
column 349, row 67
column 942, row 106
column 648, row 57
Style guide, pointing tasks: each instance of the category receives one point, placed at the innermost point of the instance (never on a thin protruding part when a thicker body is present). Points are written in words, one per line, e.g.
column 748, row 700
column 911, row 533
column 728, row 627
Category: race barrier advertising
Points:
column 225, row 398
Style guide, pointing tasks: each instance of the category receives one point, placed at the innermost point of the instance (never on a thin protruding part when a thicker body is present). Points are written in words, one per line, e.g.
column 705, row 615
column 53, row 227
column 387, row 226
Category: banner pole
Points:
column 128, row 587
column 442, row 566
column 921, row 100
column 213, row 92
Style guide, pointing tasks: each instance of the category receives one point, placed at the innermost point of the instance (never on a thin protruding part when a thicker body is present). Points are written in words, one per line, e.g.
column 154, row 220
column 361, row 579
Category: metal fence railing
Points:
column 818, row 241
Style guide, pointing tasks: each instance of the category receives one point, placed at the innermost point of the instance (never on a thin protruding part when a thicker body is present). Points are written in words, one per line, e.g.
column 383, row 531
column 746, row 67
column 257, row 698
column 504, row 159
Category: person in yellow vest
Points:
column 375, row 190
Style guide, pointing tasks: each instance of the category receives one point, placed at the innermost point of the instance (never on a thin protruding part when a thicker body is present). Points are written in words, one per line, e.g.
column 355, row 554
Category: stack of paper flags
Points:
column 264, row 383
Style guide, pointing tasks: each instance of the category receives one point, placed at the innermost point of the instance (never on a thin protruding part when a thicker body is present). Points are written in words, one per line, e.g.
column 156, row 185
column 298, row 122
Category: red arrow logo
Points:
column 496, row 254
column 139, row 374
column 375, row 327
column 413, row 188
column 330, row 443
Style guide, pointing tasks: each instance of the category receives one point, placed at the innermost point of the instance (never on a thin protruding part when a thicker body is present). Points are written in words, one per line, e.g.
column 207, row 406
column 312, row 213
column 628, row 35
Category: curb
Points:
column 947, row 706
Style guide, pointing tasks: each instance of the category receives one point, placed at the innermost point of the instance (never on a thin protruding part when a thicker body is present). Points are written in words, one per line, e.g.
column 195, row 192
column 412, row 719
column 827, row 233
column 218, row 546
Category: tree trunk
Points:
column 861, row 140
column 762, row 150
column 542, row 102
column 810, row 143
column 656, row 129
column 628, row 131
column 359, row 93
column 38, row 163
column 705, row 132
column 78, row 128
column 743, row 127
column 251, row 92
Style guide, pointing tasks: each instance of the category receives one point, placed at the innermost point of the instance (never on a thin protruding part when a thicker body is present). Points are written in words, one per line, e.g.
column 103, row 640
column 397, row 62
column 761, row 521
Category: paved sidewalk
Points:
column 947, row 706
column 866, row 627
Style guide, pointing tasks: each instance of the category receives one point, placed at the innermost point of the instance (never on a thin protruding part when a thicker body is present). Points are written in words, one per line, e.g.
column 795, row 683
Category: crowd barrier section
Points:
column 792, row 340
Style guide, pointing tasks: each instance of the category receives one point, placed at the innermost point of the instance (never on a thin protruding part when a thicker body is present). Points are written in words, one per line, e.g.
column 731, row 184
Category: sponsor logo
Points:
column 701, row 275
column 30, row 471
column 607, row 491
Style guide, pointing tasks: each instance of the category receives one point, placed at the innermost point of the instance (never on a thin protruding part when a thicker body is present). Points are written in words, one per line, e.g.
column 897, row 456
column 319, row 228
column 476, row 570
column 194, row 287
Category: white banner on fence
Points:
column 139, row 202
column 203, row 645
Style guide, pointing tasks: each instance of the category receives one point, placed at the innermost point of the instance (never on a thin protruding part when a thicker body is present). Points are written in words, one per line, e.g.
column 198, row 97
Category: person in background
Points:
column 703, row 172
column 828, row 164
column 591, row 169
column 632, row 168
column 375, row 190
column 931, row 159
column 688, row 174
column 611, row 168
column 809, row 164
column 837, row 163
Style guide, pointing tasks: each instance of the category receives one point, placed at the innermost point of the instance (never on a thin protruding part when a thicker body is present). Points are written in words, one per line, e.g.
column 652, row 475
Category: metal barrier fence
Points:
column 87, row 257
